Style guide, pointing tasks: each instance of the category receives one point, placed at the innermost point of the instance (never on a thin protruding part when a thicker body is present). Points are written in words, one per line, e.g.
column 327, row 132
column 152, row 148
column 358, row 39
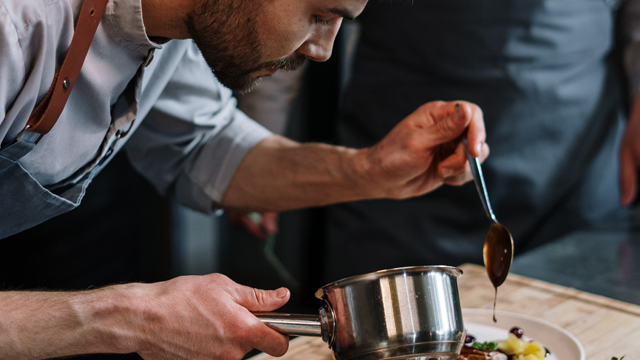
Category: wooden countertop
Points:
column 605, row 327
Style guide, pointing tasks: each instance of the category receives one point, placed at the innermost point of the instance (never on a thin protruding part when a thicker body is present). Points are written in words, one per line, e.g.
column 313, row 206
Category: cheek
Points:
column 282, row 33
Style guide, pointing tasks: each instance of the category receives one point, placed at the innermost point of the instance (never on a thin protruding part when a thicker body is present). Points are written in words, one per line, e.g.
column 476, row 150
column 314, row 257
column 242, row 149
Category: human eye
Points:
column 320, row 21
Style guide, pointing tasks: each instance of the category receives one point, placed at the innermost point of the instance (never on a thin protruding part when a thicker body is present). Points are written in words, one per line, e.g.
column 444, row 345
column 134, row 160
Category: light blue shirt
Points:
column 188, row 137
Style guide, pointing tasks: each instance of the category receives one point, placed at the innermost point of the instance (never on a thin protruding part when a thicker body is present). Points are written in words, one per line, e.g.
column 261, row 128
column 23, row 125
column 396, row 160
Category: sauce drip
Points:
column 495, row 299
column 498, row 254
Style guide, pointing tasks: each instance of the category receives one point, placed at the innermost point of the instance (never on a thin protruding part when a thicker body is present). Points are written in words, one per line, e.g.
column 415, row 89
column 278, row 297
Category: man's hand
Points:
column 425, row 150
column 208, row 317
column 420, row 154
column 630, row 155
column 191, row 317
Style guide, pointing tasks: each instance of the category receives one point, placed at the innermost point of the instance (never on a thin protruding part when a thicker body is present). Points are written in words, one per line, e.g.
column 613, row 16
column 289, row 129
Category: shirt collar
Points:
column 124, row 24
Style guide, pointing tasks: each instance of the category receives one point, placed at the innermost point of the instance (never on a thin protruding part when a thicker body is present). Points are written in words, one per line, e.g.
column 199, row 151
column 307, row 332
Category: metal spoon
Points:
column 498, row 246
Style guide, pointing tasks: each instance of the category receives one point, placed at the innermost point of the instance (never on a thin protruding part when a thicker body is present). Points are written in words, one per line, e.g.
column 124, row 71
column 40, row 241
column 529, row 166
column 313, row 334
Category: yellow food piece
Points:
column 527, row 357
column 523, row 350
column 513, row 345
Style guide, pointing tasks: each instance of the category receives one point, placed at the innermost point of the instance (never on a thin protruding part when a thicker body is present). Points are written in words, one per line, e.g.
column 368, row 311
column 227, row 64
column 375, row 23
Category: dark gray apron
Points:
column 543, row 74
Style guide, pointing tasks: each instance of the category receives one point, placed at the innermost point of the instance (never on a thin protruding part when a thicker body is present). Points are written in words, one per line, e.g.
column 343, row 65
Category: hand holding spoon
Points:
column 498, row 246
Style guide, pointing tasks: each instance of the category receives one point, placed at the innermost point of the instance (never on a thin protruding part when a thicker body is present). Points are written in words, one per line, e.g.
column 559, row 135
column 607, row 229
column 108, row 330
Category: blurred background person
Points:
column 547, row 75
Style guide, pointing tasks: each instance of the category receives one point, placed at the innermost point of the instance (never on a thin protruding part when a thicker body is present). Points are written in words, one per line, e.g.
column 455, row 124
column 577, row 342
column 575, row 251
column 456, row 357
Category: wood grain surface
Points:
column 605, row 327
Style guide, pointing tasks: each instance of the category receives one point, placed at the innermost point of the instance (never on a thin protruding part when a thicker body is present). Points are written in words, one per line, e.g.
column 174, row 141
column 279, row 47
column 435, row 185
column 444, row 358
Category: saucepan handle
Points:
column 292, row 324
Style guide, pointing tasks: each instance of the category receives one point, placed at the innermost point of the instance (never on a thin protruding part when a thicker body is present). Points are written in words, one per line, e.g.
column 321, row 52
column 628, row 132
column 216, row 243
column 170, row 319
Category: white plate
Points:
column 562, row 344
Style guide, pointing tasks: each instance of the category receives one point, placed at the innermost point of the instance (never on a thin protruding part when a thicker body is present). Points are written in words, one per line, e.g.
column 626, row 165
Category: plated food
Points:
column 513, row 348
column 562, row 344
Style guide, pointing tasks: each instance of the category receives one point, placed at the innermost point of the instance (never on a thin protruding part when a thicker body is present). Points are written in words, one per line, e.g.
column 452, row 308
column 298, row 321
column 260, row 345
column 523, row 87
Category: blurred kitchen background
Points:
column 124, row 231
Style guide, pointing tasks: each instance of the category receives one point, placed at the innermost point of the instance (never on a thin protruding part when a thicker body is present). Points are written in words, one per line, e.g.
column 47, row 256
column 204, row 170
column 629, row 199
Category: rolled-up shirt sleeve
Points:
column 193, row 138
column 631, row 34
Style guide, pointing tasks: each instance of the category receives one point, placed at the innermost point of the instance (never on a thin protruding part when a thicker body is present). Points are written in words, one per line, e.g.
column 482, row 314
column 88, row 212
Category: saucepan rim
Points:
column 384, row 273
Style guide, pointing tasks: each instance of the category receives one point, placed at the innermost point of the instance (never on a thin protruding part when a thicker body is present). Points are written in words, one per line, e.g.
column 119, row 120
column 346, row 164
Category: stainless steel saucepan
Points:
column 402, row 313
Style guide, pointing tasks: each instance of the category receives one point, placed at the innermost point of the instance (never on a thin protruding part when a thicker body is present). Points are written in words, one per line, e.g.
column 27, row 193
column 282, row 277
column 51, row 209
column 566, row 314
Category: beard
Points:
column 226, row 33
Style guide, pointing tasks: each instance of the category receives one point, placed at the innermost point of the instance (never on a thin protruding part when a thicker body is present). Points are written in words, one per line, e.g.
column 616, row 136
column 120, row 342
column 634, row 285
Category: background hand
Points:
column 425, row 150
column 630, row 156
column 258, row 228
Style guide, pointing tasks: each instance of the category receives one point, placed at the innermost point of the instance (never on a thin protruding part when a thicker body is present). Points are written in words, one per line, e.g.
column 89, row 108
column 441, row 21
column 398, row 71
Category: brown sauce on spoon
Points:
column 498, row 254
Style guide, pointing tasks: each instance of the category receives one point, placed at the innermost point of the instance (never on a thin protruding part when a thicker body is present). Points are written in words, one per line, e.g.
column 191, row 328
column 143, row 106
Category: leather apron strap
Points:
column 45, row 115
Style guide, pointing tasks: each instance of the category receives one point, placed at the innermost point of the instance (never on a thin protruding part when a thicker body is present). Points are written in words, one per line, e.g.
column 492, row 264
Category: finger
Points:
column 458, row 180
column 628, row 177
column 250, row 332
column 265, row 338
column 476, row 135
column 270, row 222
column 447, row 125
column 455, row 164
column 455, row 174
column 271, row 341
column 252, row 228
column 485, row 150
column 257, row 300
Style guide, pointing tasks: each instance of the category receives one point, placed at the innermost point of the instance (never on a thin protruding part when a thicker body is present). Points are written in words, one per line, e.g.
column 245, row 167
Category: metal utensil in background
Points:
column 270, row 255
column 498, row 246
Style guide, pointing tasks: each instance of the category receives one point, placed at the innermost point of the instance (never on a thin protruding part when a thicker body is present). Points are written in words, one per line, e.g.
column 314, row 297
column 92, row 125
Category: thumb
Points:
column 449, row 124
column 257, row 300
column 628, row 180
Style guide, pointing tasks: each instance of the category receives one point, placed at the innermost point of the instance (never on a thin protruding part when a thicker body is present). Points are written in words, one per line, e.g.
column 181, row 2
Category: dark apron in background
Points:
column 543, row 74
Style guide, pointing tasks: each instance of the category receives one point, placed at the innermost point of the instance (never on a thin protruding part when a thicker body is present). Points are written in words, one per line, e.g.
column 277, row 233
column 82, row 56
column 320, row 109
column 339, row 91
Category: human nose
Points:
column 320, row 45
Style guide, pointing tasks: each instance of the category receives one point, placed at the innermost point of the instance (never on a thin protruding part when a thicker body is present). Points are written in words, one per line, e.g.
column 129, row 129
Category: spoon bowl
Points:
column 498, row 246
column 498, row 253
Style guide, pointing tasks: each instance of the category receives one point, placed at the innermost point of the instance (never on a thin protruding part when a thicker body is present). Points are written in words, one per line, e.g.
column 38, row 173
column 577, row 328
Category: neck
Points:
column 165, row 18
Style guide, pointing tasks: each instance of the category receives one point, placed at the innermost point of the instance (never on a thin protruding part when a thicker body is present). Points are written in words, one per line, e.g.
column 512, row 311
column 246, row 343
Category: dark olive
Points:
column 469, row 339
column 517, row 332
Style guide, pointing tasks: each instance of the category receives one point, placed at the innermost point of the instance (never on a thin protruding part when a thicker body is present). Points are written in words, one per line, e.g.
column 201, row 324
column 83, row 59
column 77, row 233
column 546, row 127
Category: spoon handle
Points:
column 478, row 179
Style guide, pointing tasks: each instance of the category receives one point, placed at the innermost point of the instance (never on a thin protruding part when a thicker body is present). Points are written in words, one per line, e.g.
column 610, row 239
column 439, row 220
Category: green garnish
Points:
column 492, row 346
column 615, row 358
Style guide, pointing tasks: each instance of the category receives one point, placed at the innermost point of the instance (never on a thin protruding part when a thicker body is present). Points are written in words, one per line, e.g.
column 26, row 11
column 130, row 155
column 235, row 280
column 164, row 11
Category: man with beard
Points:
column 141, row 85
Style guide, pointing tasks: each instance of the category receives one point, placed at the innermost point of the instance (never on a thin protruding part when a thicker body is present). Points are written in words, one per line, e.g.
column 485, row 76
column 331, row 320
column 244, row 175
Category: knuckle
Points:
column 447, row 127
column 220, row 279
column 413, row 143
column 250, row 324
column 259, row 296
